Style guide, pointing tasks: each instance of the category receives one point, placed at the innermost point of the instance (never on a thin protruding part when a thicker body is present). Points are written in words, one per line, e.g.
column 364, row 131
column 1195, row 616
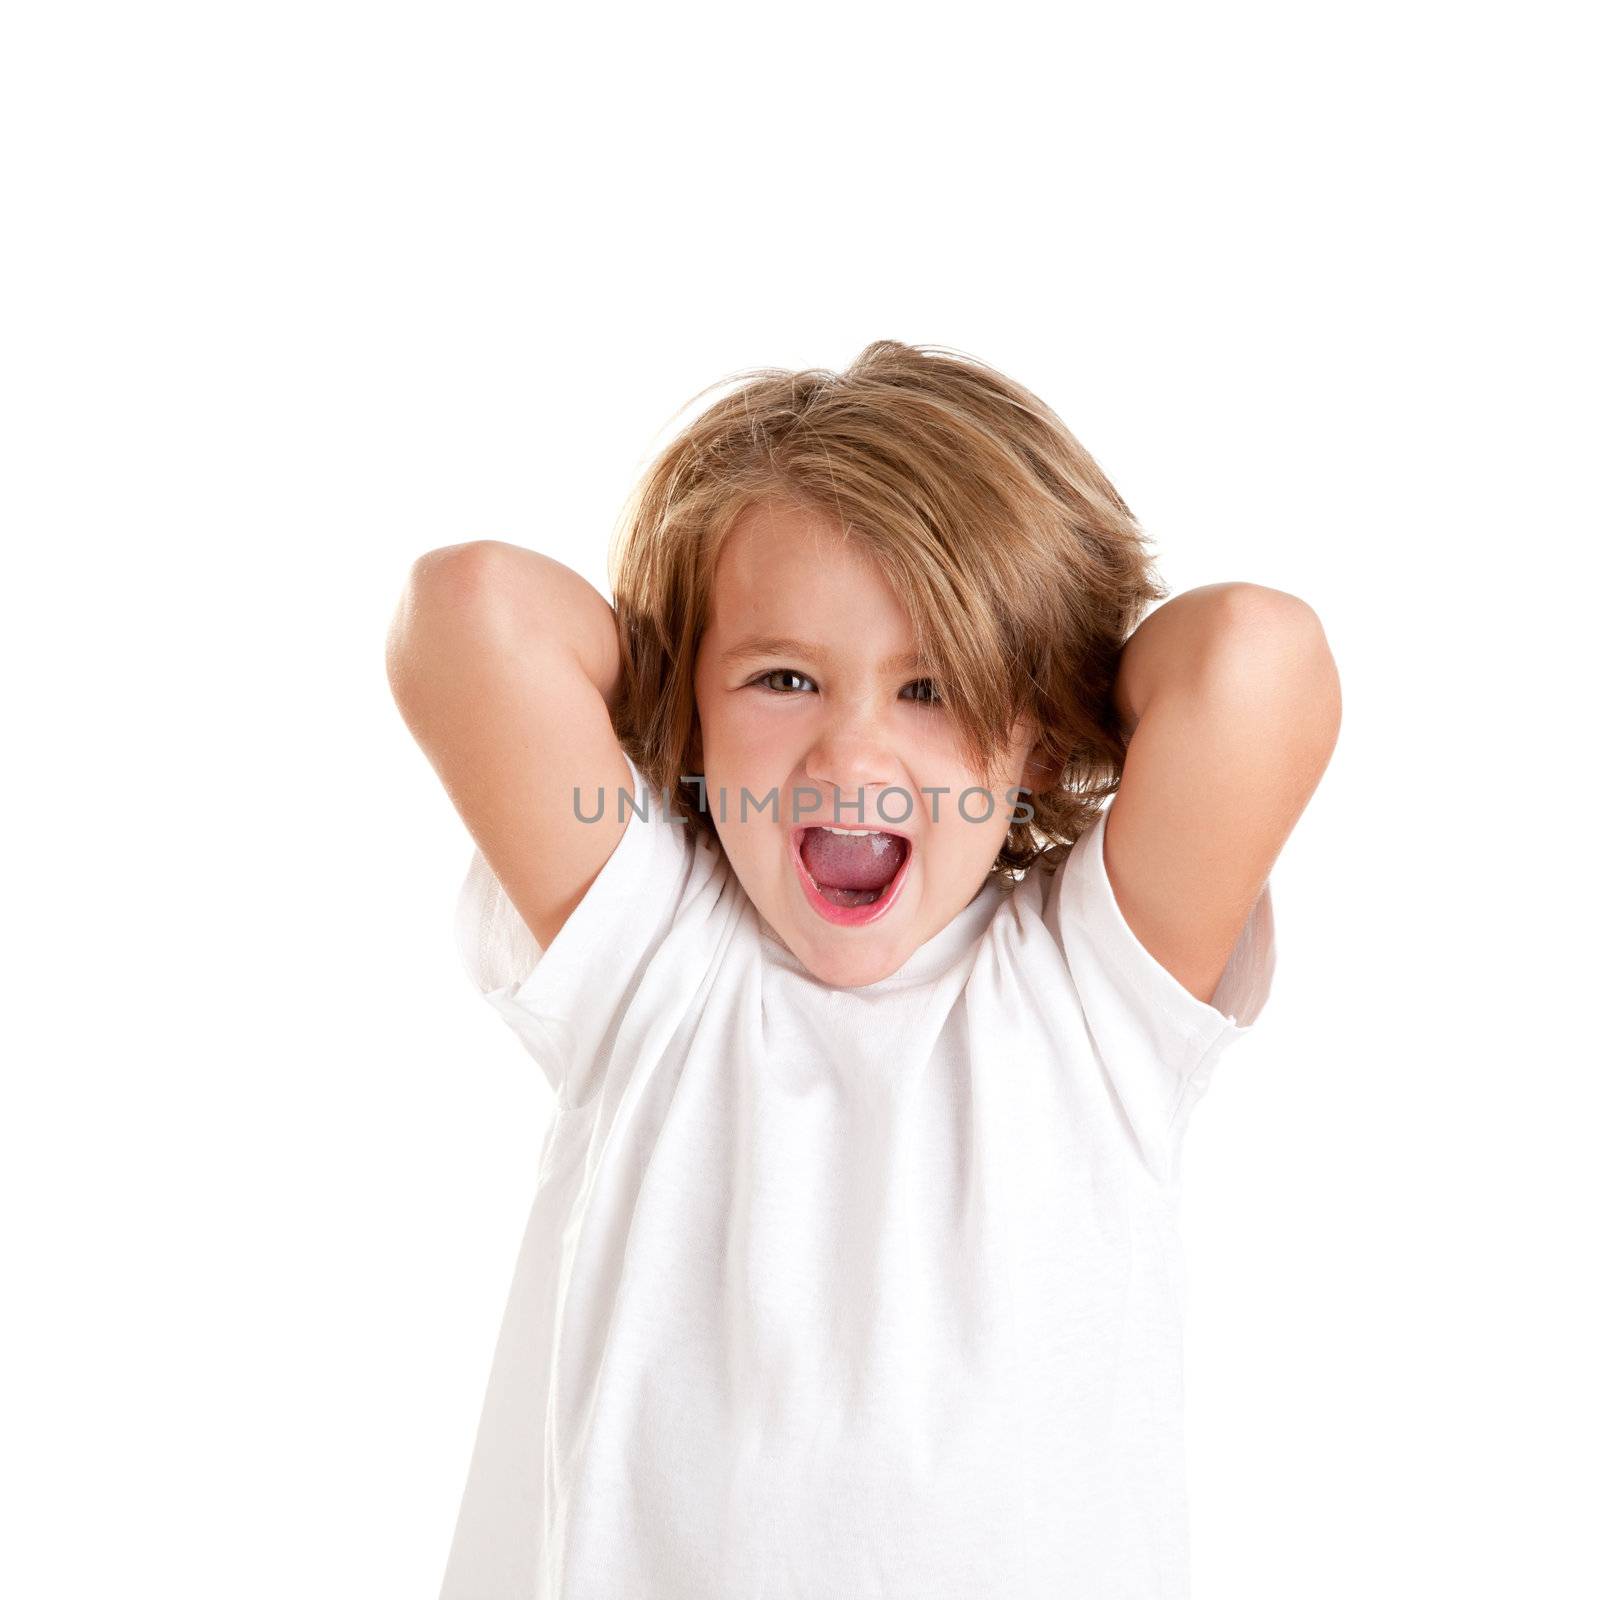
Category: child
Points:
column 853, row 1268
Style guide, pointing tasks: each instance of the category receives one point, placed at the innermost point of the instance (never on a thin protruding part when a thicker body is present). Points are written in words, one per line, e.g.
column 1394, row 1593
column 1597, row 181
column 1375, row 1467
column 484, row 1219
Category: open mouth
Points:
column 850, row 875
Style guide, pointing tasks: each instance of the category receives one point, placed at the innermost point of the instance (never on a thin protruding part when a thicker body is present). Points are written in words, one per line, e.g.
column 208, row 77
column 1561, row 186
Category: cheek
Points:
column 978, row 818
column 718, row 716
column 744, row 732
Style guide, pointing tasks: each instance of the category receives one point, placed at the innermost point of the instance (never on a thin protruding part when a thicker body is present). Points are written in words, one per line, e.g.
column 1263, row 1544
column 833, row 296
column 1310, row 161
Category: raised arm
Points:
column 505, row 665
column 1232, row 700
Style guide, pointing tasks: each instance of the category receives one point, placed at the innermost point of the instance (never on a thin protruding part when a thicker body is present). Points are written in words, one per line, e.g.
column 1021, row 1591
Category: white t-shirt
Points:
column 842, row 1293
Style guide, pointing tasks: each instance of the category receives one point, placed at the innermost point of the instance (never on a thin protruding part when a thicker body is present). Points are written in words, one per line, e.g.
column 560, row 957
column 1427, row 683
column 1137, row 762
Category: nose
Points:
column 850, row 763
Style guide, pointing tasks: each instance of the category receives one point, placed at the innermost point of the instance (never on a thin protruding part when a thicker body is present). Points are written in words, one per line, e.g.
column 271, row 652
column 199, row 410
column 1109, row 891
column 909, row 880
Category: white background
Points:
column 296, row 292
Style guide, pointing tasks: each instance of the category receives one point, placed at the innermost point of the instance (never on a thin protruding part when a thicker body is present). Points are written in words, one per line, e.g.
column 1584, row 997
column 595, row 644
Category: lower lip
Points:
column 846, row 916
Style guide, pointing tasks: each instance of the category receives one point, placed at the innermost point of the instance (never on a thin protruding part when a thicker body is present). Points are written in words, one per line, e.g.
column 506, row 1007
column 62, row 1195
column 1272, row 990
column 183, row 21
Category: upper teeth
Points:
column 827, row 829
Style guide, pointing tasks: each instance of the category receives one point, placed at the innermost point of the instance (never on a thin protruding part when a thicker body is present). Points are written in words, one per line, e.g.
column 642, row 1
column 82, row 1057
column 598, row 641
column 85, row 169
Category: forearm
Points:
column 489, row 596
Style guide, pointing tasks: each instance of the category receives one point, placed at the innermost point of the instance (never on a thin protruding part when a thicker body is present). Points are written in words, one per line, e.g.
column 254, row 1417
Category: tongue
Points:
column 856, row 861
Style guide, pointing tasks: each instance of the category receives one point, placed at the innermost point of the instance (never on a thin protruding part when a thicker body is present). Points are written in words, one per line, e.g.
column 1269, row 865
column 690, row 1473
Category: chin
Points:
column 849, row 969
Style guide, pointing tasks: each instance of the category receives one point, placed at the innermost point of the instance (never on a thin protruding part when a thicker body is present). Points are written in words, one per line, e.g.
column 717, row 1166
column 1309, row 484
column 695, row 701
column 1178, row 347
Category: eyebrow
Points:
column 762, row 645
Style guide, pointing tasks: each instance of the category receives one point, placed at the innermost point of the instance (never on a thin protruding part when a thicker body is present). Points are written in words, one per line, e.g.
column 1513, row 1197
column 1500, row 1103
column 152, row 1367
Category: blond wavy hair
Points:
column 1020, row 568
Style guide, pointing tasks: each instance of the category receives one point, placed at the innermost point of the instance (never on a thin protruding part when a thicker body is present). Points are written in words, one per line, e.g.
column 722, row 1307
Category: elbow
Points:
column 458, row 578
column 453, row 596
column 1273, row 654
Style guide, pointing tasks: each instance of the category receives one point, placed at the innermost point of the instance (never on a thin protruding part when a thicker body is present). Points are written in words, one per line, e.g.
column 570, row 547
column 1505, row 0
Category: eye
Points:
column 780, row 672
column 925, row 693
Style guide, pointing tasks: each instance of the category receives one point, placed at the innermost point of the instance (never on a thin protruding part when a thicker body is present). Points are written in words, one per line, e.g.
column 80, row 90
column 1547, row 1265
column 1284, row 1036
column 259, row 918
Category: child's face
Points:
column 824, row 727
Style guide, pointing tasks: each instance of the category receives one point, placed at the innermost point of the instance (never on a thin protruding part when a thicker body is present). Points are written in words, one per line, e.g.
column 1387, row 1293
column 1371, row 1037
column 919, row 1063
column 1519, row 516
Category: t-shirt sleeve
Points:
column 1158, row 1043
column 563, row 1000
